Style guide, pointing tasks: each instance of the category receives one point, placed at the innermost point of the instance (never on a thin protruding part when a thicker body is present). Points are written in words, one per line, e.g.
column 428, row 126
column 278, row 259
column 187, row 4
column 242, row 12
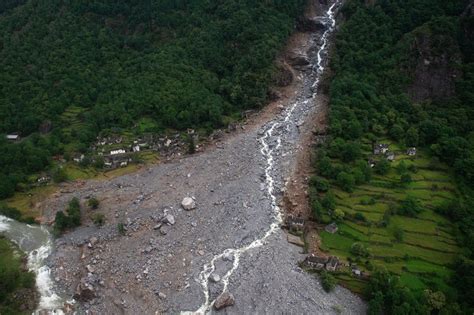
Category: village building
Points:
column 13, row 137
column 118, row 151
column 315, row 262
column 380, row 148
column 372, row 163
column 332, row 263
column 390, row 156
column 78, row 158
column 411, row 151
column 331, row 228
column 136, row 148
column 320, row 263
column 295, row 223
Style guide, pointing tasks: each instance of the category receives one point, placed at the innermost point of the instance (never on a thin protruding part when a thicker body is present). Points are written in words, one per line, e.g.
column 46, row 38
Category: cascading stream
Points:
column 36, row 242
column 268, row 152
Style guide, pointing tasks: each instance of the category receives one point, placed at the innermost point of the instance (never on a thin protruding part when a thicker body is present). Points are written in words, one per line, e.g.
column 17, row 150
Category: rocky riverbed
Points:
column 170, row 260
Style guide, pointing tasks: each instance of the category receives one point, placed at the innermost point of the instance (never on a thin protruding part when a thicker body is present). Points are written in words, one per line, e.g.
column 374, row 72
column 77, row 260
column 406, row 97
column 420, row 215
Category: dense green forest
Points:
column 403, row 76
column 179, row 64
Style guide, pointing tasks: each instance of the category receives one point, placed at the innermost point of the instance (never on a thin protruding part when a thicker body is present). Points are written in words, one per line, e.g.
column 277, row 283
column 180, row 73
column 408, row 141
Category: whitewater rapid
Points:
column 36, row 242
column 268, row 151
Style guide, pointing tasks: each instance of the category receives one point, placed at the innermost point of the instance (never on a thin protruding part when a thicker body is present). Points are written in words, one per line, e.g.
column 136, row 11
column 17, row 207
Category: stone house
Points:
column 390, row 156
column 331, row 228
column 380, row 148
column 411, row 151
column 295, row 223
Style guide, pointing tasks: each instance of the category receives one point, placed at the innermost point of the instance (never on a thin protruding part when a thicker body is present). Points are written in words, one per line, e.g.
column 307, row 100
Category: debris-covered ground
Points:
column 155, row 263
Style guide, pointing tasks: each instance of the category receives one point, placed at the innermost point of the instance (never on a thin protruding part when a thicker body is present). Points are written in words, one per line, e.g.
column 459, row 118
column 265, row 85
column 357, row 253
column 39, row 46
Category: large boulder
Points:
column 188, row 203
column 224, row 300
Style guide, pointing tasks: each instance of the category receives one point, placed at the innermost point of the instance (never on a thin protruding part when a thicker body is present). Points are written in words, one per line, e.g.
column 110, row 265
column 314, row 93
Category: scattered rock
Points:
column 164, row 229
column 157, row 227
column 215, row 278
column 201, row 252
column 162, row 295
column 224, row 300
column 188, row 203
column 168, row 219
column 228, row 257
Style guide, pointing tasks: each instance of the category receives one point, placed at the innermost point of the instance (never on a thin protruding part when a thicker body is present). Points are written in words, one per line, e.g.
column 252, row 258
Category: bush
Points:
column 382, row 167
column 321, row 184
column 93, row 203
column 399, row 234
column 359, row 216
column 59, row 175
column 98, row 219
column 328, row 281
column 409, row 207
column 121, row 228
column 346, row 181
column 70, row 220
column 359, row 250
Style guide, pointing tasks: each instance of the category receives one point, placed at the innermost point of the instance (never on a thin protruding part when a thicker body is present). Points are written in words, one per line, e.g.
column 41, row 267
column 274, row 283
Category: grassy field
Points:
column 427, row 248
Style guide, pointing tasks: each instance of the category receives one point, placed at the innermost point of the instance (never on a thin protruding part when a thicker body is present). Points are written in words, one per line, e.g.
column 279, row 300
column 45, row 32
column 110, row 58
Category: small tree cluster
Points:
column 71, row 219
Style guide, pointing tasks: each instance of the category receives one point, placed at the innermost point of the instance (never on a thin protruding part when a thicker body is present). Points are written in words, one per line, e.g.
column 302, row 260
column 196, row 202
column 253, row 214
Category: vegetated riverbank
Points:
column 237, row 185
column 18, row 293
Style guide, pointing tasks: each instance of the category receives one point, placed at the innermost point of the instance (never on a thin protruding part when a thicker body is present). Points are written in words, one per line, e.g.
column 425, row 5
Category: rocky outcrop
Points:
column 433, row 65
column 313, row 24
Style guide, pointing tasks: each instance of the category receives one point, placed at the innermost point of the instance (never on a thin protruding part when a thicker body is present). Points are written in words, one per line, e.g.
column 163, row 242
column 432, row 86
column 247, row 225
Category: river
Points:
column 37, row 243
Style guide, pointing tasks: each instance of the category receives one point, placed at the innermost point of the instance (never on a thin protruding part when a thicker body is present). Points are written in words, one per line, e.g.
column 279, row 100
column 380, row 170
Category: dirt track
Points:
column 155, row 269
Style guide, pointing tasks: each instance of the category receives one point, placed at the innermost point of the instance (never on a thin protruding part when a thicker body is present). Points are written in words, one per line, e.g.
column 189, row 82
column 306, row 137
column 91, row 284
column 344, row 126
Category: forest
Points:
column 179, row 64
column 403, row 77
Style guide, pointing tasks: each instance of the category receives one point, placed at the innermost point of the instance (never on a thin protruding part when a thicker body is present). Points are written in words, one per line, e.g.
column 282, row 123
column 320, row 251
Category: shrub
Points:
column 359, row 216
column 93, row 203
column 399, row 234
column 121, row 228
column 409, row 207
column 321, row 184
column 359, row 250
column 382, row 167
column 59, row 175
column 346, row 181
column 98, row 219
column 328, row 281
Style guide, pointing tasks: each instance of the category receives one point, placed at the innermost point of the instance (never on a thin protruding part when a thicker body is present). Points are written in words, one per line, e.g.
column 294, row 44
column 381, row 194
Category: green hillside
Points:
column 403, row 78
column 87, row 66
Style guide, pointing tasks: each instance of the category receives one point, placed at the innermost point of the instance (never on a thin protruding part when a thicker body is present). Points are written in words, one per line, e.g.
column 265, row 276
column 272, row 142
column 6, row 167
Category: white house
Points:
column 118, row 151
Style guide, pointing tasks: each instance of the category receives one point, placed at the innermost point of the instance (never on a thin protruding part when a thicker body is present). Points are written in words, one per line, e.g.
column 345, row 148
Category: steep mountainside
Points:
column 397, row 171
column 180, row 64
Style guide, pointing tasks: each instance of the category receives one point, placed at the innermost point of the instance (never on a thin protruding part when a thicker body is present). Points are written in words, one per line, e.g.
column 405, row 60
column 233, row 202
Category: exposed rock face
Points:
column 299, row 60
column 284, row 75
column 307, row 24
column 188, row 203
column 224, row 300
column 434, row 69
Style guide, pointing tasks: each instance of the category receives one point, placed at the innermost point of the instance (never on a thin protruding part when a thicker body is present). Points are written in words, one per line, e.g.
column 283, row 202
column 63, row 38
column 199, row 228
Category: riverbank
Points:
column 18, row 294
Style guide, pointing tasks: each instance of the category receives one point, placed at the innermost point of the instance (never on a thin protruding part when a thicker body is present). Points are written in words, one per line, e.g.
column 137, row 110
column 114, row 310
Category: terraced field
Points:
column 425, row 251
